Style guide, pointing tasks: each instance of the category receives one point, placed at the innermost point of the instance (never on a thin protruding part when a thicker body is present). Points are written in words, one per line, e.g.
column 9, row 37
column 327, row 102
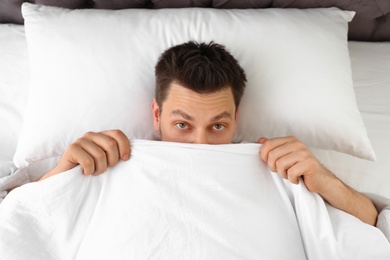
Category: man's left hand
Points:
column 292, row 159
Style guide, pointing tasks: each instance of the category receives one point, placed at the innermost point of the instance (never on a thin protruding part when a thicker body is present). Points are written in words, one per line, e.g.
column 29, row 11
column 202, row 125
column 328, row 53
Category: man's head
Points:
column 198, row 89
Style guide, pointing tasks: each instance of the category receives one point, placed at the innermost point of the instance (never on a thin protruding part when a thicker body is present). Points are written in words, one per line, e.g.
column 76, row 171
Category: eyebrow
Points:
column 186, row 116
column 179, row 112
column 224, row 114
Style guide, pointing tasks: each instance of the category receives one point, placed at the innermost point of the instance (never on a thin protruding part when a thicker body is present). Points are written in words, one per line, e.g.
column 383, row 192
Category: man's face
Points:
column 189, row 117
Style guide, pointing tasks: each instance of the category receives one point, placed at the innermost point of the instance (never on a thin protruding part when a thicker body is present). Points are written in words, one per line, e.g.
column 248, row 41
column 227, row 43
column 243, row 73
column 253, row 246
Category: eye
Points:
column 218, row 127
column 182, row 125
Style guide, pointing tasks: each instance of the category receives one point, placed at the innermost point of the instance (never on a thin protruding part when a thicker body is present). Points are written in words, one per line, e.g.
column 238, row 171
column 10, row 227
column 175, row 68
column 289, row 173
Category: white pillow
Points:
column 94, row 70
column 14, row 82
column 370, row 62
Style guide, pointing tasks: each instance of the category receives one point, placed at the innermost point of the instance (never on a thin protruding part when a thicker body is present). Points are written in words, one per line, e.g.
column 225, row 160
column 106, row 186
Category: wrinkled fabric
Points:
column 180, row 201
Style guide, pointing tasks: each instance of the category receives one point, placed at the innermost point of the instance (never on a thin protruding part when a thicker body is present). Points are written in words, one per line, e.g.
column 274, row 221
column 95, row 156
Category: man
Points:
column 198, row 91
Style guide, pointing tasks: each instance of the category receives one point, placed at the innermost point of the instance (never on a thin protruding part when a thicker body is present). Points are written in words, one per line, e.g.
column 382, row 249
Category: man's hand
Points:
column 292, row 159
column 94, row 152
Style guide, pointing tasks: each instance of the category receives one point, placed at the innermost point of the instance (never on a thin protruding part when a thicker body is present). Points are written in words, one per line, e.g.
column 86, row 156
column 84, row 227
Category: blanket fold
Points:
column 180, row 201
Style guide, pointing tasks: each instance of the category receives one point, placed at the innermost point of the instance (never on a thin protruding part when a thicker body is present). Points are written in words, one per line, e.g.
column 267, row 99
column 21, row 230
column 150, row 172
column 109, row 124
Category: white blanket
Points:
column 180, row 201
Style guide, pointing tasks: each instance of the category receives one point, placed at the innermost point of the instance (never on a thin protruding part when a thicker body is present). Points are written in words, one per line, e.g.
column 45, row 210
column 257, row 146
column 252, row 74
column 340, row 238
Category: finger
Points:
column 305, row 166
column 74, row 155
column 122, row 142
column 96, row 152
column 262, row 140
column 276, row 148
column 269, row 145
column 284, row 163
column 281, row 158
column 295, row 172
column 107, row 144
column 114, row 143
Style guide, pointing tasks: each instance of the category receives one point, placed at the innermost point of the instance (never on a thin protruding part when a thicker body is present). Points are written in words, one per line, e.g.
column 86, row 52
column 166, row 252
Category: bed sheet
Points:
column 371, row 75
column 181, row 201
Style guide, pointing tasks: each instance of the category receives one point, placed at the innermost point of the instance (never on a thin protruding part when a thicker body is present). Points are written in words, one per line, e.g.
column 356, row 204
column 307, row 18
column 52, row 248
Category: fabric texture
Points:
column 372, row 21
column 370, row 66
column 180, row 201
column 12, row 179
column 14, row 83
column 97, row 83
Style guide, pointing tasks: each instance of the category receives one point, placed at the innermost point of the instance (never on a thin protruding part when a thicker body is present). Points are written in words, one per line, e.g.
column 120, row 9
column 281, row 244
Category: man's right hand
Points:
column 94, row 152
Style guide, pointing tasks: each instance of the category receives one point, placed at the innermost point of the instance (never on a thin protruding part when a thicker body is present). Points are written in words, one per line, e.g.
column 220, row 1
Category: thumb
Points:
column 262, row 140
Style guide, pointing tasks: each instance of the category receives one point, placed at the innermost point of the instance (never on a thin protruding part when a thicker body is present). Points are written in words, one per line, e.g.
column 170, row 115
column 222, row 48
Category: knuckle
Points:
column 99, row 171
column 117, row 133
column 283, row 174
column 279, row 165
column 302, row 146
column 271, row 156
column 301, row 153
column 74, row 146
column 88, row 134
column 265, row 145
column 112, row 162
column 88, row 166
column 292, row 176
column 111, row 144
column 291, row 173
column 88, row 163
column 100, row 155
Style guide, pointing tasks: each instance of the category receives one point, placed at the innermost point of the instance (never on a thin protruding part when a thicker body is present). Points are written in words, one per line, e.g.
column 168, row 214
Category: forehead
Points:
column 179, row 95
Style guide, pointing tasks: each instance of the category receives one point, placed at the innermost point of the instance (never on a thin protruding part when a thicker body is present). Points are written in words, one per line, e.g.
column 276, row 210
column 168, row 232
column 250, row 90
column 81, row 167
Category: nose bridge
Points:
column 200, row 136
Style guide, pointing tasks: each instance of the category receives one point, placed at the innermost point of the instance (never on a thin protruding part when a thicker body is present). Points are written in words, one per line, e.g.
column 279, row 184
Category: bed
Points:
column 316, row 69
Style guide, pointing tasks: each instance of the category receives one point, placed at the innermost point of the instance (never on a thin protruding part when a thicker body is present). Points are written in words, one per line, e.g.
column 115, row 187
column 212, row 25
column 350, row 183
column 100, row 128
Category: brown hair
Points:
column 200, row 67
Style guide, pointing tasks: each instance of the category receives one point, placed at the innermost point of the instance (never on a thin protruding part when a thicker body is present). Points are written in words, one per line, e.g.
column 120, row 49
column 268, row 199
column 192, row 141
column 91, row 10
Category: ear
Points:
column 156, row 115
column 235, row 119
column 236, row 115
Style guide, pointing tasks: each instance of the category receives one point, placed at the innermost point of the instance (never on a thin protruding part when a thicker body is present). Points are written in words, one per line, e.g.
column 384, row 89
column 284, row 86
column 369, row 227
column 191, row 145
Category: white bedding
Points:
column 14, row 81
column 371, row 75
column 370, row 66
column 180, row 201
